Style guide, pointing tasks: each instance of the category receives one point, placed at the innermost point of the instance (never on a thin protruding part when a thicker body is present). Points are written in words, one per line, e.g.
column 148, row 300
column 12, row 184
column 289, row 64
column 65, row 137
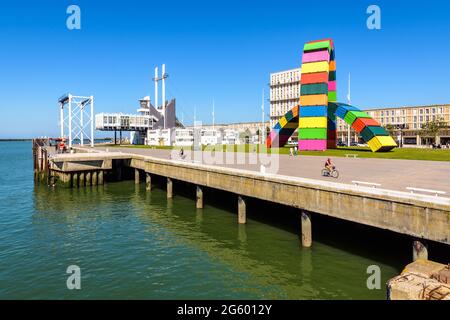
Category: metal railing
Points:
column 436, row 192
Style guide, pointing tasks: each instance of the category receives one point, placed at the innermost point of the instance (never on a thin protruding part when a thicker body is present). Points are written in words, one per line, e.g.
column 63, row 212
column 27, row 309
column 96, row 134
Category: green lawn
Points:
column 362, row 152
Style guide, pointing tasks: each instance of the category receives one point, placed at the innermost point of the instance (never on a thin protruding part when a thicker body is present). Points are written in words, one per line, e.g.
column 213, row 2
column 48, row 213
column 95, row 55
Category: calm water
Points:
column 130, row 244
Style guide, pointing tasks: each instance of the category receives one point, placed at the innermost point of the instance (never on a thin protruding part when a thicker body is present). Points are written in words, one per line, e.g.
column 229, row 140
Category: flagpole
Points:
column 348, row 101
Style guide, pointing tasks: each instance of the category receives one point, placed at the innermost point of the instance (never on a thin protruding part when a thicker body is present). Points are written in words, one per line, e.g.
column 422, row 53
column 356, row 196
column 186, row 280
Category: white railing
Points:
column 436, row 192
column 364, row 183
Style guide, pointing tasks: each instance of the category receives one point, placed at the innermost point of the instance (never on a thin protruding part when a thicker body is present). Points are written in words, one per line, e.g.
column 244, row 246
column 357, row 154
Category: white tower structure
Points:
column 163, row 90
column 79, row 118
column 156, row 79
column 156, row 87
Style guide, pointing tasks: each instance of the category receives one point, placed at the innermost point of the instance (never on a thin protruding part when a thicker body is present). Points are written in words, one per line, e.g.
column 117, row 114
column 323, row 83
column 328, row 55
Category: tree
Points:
column 432, row 128
column 245, row 135
column 390, row 128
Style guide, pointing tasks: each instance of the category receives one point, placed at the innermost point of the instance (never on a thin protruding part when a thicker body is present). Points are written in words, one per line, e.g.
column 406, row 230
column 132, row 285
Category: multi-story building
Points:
column 410, row 119
column 284, row 93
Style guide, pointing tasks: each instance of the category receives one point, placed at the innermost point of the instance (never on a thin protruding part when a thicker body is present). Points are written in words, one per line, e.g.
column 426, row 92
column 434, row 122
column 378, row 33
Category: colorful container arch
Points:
column 315, row 116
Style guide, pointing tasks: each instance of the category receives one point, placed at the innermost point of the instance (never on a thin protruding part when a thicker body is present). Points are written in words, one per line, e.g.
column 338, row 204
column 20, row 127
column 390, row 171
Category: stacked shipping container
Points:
column 317, row 130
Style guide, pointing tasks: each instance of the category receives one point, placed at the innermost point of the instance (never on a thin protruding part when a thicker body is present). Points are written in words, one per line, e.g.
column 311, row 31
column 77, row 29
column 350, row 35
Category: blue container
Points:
column 315, row 111
column 331, row 125
column 340, row 112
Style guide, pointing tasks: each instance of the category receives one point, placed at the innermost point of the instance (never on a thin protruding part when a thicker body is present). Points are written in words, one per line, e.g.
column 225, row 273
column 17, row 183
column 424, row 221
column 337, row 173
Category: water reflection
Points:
column 121, row 227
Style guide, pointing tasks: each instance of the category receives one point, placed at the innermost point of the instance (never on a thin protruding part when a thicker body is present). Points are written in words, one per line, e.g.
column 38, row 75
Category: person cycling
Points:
column 329, row 165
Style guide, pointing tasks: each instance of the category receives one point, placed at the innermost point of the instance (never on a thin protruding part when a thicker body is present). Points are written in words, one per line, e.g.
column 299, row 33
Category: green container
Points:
column 372, row 131
column 289, row 115
column 332, row 96
column 351, row 116
column 315, row 88
column 332, row 75
column 312, row 133
column 317, row 45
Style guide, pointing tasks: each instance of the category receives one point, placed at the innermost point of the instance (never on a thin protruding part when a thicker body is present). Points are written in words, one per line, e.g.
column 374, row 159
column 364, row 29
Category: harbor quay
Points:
column 423, row 217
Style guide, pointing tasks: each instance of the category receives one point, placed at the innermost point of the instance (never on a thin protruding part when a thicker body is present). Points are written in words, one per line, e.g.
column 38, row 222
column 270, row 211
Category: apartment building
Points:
column 284, row 93
column 410, row 119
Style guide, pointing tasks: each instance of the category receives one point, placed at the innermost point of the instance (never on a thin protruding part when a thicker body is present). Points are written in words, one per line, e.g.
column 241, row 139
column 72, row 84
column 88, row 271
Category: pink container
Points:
column 332, row 85
column 316, row 56
column 273, row 134
column 312, row 145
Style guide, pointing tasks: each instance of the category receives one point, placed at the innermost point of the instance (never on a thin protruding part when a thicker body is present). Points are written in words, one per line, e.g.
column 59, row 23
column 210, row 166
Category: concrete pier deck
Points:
column 391, row 174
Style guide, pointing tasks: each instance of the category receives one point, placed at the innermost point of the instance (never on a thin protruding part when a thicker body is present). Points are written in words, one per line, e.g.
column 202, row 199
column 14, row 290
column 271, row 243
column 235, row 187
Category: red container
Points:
column 319, row 77
column 360, row 123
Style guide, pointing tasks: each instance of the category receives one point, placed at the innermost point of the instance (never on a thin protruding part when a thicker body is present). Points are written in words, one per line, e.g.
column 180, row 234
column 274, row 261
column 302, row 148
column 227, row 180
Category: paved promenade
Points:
column 391, row 174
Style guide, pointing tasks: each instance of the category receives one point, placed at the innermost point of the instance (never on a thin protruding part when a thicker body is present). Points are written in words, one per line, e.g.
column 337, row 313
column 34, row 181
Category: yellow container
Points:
column 312, row 67
column 314, row 100
column 381, row 143
column 283, row 121
column 312, row 122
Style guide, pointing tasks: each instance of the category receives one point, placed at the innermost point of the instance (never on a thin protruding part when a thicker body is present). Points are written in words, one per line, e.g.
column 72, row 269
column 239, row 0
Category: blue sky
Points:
column 222, row 50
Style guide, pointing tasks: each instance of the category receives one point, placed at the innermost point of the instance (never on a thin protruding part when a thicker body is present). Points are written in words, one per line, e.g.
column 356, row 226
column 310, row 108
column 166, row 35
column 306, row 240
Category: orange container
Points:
column 314, row 100
column 332, row 65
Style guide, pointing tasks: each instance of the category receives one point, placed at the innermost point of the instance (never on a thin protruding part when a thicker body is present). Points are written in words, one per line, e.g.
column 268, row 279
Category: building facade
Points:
column 284, row 93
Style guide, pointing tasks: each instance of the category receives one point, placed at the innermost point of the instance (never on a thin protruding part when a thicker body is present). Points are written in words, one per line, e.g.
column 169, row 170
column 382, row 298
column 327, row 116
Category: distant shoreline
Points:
column 11, row 140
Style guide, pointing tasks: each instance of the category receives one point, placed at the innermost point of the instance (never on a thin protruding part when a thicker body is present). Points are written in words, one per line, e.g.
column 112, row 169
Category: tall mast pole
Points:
column 163, row 77
column 348, row 101
column 213, row 115
column 156, row 87
column 263, row 135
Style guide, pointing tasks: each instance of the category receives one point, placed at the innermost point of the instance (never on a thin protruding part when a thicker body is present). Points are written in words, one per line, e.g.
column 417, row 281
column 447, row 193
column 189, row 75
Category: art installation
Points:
column 315, row 116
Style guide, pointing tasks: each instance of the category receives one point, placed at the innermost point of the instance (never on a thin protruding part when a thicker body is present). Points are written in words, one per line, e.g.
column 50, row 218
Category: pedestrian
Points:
column 295, row 150
column 291, row 153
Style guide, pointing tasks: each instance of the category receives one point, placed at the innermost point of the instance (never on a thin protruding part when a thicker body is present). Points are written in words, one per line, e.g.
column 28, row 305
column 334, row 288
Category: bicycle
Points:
column 334, row 173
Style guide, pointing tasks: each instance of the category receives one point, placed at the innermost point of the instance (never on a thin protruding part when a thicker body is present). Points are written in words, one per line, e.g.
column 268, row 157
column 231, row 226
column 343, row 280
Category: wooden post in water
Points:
column 306, row 229
column 148, row 182
column 169, row 188
column 420, row 250
column 137, row 178
column 242, row 210
column 94, row 178
column 199, row 193
column 75, row 181
column 81, row 179
column 101, row 177
column 88, row 179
